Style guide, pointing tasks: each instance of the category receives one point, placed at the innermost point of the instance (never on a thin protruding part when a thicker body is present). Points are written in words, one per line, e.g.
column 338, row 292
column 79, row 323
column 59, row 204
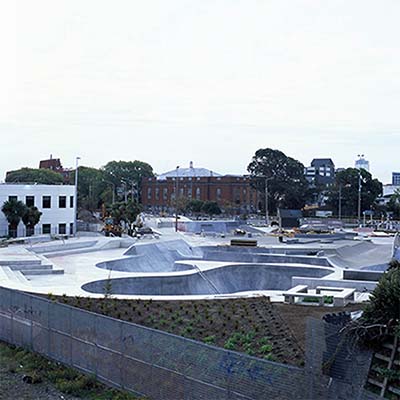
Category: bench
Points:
column 341, row 298
column 301, row 291
column 244, row 242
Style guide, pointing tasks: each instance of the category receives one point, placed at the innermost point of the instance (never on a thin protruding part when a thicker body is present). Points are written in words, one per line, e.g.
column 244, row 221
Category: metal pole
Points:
column 176, row 199
column 359, row 197
column 266, row 202
column 340, row 201
column 76, row 196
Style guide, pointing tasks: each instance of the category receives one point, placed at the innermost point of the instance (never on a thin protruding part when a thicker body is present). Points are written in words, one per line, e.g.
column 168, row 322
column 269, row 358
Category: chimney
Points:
column 51, row 156
column 191, row 164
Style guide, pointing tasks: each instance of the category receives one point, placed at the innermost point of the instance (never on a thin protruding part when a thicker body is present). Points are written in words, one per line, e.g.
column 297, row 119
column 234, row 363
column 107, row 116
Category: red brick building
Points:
column 55, row 165
column 232, row 193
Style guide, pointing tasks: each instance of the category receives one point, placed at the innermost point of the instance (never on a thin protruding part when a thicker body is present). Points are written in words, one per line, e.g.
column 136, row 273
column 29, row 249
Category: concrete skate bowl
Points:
column 155, row 257
column 363, row 255
column 228, row 279
column 170, row 256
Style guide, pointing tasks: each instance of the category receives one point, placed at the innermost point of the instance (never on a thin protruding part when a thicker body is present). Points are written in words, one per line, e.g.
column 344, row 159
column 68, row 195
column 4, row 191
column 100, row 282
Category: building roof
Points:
column 322, row 161
column 52, row 163
column 190, row 172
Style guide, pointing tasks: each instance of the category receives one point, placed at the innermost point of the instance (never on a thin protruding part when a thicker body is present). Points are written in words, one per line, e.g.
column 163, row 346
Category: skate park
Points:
column 176, row 265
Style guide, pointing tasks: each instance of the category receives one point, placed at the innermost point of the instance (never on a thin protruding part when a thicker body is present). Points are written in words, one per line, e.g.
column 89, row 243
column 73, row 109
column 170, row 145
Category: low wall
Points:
column 362, row 275
column 312, row 283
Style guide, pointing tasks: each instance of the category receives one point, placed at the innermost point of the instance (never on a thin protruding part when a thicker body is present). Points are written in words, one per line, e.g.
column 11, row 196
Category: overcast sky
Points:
column 169, row 81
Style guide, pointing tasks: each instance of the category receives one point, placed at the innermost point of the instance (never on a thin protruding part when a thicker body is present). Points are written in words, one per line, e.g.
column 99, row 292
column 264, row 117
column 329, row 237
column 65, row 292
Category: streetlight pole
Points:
column 266, row 196
column 340, row 201
column 176, row 198
column 76, row 196
column 359, row 196
column 266, row 202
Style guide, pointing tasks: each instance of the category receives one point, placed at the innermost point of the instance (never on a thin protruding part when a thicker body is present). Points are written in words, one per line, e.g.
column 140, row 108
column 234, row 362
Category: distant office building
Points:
column 362, row 163
column 320, row 172
column 229, row 191
column 396, row 178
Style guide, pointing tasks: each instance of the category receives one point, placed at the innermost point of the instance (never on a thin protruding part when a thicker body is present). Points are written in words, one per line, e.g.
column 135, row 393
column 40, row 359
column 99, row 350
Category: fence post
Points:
column 31, row 322
column 70, row 337
column 48, row 329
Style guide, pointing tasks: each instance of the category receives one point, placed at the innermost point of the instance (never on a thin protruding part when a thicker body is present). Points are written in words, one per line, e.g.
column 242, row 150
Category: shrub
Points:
column 384, row 303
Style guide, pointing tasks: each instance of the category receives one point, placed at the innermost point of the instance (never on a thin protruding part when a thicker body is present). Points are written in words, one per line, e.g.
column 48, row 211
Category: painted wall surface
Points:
column 53, row 215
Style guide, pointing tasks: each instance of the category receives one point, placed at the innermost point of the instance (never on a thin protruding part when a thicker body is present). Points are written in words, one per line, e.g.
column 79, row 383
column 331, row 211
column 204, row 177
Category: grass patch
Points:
column 65, row 379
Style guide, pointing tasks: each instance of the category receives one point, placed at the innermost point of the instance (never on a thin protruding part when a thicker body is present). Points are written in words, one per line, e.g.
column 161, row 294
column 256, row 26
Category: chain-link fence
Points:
column 157, row 364
column 331, row 353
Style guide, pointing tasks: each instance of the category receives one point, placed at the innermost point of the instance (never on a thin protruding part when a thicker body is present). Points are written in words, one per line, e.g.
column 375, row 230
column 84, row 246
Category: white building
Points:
column 56, row 202
column 362, row 163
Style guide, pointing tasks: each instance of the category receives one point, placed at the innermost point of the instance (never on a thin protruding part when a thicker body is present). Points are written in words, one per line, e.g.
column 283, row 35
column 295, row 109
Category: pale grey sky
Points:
column 210, row 81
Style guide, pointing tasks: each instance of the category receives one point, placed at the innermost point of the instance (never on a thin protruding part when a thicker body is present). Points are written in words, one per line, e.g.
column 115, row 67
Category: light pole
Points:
column 359, row 196
column 76, row 196
column 176, row 198
column 340, row 201
column 266, row 196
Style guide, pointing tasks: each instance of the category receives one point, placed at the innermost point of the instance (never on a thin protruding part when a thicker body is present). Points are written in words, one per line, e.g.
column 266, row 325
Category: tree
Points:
column 13, row 210
column 30, row 219
column 194, row 206
column 128, row 173
column 211, row 208
column 125, row 212
column 32, row 175
column 94, row 188
column 394, row 204
column 287, row 186
column 347, row 182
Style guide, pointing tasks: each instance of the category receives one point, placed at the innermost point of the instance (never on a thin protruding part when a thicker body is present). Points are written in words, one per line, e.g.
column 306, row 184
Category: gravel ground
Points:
column 12, row 387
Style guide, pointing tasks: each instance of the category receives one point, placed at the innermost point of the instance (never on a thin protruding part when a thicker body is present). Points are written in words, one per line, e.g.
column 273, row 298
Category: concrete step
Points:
column 16, row 263
column 30, row 267
column 54, row 271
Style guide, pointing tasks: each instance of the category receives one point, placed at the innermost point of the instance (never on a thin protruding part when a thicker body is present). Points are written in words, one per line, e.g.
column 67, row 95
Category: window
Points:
column 46, row 202
column 149, row 193
column 62, row 229
column 157, row 193
column 71, row 201
column 12, row 198
column 71, row 228
column 30, row 201
column 181, row 192
column 62, row 202
column 218, row 193
column 198, row 193
column 165, row 194
column 46, row 228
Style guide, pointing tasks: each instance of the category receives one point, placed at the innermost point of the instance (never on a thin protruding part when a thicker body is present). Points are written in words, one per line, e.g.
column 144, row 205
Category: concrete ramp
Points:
column 363, row 255
column 154, row 257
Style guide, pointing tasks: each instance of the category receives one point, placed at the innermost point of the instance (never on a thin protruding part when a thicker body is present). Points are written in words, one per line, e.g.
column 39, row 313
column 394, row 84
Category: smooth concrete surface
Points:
column 221, row 280
column 190, row 262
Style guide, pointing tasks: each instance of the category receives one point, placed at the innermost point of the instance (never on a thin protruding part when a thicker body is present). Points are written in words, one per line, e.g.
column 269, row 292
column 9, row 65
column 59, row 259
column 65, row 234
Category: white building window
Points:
column 46, row 202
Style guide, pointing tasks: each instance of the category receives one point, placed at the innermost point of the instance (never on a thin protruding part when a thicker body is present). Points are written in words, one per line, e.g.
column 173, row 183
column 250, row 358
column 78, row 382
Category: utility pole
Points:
column 266, row 202
column 266, row 197
column 76, row 196
column 359, row 196
column 340, row 201
column 176, row 198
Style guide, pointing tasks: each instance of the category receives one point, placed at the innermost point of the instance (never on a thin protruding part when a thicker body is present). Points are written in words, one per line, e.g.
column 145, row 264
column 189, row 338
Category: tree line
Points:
column 120, row 181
